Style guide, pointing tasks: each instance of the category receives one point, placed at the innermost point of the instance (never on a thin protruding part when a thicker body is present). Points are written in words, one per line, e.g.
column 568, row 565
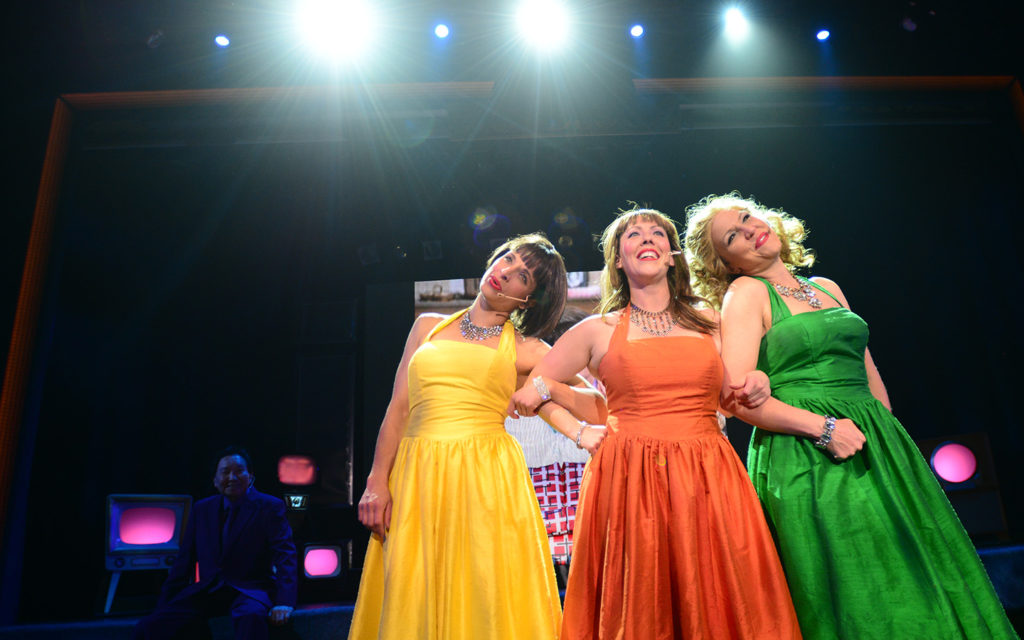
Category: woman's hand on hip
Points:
column 847, row 440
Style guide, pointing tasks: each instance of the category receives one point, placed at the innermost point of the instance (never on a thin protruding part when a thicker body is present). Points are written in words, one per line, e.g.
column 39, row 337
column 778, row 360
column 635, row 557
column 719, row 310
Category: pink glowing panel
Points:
column 954, row 462
column 147, row 525
column 322, row 562
column 296, row 470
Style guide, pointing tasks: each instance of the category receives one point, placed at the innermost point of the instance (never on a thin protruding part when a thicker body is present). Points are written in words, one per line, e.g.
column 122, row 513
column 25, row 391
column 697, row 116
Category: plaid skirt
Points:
column 558, row 490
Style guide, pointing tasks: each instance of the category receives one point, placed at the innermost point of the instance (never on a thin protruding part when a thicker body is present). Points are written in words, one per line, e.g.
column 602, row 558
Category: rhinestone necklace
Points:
column 652, row 323
column 471, row 331
column 804, row 293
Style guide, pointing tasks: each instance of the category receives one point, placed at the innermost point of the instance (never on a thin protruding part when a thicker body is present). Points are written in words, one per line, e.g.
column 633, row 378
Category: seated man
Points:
column 243, row 544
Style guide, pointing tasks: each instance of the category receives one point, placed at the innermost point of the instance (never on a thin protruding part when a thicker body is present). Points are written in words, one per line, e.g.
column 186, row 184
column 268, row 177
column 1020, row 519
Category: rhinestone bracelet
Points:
column 542, row 389
column 826, row 434
column 579, row 435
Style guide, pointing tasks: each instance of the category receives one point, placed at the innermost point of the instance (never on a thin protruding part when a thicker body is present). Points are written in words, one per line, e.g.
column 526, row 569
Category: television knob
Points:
column 119, row 562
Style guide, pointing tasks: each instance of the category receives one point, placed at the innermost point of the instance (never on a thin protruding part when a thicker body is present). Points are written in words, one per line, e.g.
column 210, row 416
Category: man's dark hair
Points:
column 233, row 450
column 570, row 318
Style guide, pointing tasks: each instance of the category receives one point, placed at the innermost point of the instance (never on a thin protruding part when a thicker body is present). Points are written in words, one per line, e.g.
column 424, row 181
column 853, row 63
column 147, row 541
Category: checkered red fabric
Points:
column 558, row 490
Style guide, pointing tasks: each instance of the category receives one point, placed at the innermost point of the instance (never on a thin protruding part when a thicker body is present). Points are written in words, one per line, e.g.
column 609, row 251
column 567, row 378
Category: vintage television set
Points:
column 326, row 560
column 298, row 474
column 964, row 466
column 144, row 532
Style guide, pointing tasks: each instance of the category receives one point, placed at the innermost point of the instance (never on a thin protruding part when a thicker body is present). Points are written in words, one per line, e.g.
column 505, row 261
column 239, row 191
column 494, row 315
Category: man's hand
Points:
column 280, row 614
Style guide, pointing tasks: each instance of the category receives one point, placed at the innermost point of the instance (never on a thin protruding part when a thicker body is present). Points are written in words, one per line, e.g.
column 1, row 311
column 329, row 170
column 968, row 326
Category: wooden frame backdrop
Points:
column 23, row 338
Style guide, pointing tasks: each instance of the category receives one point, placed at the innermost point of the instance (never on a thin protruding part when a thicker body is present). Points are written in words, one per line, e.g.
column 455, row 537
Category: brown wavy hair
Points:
column 615, row 284
column 710, row 275
column 548, row 297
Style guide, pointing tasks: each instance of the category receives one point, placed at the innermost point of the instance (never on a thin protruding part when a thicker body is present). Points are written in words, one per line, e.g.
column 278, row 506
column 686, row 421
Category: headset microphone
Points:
column 500, row 294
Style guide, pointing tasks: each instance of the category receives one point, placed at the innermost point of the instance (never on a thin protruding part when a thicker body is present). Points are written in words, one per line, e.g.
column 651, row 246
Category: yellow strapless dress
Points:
column 467, row 554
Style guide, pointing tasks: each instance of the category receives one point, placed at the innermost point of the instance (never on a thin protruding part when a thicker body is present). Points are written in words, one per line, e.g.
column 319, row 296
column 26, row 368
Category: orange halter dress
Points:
column 670, row 540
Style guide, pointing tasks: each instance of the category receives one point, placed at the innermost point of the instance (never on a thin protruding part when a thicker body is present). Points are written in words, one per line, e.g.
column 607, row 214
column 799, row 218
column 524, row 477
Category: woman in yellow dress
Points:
column 459, row 549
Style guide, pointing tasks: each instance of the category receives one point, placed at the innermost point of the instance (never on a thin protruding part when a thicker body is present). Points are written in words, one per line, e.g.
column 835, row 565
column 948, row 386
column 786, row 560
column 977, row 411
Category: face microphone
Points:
column 675, row 253
column 502, row 295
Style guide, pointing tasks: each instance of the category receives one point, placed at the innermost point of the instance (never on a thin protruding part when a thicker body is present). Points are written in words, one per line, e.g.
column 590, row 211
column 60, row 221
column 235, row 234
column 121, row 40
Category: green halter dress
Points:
column 871, row 546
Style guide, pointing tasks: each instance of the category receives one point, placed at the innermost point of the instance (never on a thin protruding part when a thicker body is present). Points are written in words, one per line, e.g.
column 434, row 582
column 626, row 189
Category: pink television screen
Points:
column 144, row 531
column 296, row 470
column 322, row 561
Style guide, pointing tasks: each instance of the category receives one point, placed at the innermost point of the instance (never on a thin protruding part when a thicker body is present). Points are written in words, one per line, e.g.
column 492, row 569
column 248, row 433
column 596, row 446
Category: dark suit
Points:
column 254, row 571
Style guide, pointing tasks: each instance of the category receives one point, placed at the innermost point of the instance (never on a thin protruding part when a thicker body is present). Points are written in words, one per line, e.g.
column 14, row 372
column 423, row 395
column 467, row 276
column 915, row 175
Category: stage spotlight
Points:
column 636, row 30
column 442, row 31
column 544, row 25
column 736, row 25
column 222, row 40
column 954, row 462
column 342, row 29
column 489, row 226
column 823, row 35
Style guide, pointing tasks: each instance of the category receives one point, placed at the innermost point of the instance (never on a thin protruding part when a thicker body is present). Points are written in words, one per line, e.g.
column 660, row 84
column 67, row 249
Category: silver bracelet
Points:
column 826, row 434
column 542, row 389
column 579, row 435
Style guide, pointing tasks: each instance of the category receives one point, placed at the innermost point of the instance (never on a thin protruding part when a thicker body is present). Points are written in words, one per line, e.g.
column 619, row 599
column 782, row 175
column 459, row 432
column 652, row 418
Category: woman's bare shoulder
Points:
column 598, row 320
column 424, row 324
column 710, row 314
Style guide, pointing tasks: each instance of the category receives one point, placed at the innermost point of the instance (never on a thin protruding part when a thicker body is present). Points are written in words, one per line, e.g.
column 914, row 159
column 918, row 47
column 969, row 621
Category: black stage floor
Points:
column 1005, row 565
column 310, row 622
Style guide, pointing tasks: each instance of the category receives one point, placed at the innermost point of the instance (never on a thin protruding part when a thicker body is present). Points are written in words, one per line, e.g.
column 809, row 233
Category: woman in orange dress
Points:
column 670, row 538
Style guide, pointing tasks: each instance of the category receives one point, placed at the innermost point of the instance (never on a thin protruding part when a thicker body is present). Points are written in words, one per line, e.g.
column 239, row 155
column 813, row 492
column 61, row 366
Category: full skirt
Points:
column 671, row 543
column 872, row 547
column 467, row 554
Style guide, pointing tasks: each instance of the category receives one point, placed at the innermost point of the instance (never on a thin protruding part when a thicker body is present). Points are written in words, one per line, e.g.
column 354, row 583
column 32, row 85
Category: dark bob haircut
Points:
column 548, row 298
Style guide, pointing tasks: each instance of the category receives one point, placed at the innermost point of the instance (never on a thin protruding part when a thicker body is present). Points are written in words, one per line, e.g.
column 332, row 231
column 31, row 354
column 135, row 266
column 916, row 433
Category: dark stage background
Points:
column 214, row 290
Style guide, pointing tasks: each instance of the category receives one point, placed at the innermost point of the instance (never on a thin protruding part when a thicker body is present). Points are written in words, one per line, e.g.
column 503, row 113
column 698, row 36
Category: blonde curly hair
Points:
column 708, row 272
column 615, row 293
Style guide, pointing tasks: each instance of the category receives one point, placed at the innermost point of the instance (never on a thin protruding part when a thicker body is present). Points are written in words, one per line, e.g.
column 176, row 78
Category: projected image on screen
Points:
column 448, row 296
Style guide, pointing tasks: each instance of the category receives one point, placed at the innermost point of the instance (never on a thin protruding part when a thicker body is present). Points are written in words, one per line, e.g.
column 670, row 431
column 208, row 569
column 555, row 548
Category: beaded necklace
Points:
column 653, row 323
column 804, row 293
column 471, row 331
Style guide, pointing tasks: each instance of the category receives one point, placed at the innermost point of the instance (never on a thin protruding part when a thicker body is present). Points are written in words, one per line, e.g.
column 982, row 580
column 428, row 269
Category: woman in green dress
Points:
column 869, row 542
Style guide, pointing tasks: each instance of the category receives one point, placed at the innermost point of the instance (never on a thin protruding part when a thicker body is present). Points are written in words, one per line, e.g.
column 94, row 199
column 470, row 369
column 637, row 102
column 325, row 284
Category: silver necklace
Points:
column 804, row 293
column 471, row 331
column 652, row 323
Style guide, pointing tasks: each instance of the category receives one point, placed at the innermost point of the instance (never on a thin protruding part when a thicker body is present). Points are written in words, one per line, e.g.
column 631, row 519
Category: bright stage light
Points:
column 222, row 40
column 636, row 31
column 342, row 29
column 823, row 35
column 543, row 24
column 442, row 31
column 736, row 25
